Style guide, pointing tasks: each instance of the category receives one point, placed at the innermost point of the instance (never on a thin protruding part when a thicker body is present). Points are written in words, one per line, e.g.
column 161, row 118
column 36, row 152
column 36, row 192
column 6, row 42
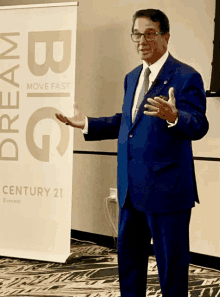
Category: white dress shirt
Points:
column 155, row 69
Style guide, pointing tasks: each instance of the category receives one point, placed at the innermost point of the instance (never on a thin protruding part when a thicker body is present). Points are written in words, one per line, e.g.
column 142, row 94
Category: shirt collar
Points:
column 155, row 68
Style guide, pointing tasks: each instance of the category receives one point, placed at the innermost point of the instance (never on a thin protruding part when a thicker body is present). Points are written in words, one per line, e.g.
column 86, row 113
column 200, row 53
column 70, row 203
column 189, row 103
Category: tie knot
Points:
column 147, row 72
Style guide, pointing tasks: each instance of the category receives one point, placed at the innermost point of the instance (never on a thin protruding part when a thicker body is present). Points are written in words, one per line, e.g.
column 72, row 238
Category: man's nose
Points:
column 142, row 40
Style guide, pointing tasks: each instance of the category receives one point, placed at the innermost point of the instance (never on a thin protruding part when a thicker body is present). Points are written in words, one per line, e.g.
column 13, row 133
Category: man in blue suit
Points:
column 163, row 111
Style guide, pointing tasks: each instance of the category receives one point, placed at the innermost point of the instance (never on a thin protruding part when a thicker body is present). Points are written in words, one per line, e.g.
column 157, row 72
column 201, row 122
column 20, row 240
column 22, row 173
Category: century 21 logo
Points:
column 48, row 38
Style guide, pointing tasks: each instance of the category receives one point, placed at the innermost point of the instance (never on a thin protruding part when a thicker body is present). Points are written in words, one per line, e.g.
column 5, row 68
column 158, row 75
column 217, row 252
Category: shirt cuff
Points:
column 85, row 130
column 172, row 124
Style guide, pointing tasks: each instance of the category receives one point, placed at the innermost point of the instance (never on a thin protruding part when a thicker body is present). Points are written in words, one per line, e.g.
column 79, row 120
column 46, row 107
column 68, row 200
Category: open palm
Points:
column 77, row 121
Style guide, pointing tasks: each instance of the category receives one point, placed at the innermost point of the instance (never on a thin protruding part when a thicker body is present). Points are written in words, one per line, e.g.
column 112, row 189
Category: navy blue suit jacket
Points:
column 156, row 162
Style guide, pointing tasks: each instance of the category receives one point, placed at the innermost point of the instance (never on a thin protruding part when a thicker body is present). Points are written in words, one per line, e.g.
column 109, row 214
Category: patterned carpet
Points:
column 90, row 271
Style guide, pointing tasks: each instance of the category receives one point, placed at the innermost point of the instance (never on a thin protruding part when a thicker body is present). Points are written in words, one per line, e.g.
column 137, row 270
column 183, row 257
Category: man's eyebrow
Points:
column 148, row 29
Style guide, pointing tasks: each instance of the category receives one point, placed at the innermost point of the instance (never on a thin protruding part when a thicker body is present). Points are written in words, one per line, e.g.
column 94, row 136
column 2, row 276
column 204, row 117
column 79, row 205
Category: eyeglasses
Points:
column 149, row 36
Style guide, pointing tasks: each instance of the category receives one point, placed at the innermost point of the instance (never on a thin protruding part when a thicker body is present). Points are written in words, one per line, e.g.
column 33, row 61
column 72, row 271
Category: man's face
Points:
column 150, row 51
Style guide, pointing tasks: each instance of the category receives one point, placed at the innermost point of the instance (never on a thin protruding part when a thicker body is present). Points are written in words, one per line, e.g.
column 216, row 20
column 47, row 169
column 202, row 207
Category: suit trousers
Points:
column 170, row 233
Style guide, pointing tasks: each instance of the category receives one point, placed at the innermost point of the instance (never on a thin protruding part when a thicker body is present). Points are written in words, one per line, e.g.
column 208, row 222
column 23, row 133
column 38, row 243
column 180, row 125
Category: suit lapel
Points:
column 132, row 85
column 160, row 82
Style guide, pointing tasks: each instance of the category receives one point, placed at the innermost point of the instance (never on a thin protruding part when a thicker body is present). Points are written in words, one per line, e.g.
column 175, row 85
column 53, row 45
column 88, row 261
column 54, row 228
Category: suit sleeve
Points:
column 191, row 104
column 103, row 128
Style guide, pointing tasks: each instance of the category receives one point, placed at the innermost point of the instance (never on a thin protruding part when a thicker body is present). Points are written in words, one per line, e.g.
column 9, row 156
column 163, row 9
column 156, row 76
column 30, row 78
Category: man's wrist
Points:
column 85, row 128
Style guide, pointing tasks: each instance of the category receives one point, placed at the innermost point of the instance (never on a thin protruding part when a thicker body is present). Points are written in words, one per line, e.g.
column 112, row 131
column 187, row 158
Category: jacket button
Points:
column 130, row 135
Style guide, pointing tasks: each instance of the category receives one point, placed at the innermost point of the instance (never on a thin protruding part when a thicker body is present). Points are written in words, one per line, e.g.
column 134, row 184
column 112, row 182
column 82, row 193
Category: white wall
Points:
column 105, row 53
column 205, row 226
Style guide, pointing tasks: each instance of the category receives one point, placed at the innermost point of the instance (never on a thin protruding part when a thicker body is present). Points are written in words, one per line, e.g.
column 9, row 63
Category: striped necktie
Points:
column 143, row 91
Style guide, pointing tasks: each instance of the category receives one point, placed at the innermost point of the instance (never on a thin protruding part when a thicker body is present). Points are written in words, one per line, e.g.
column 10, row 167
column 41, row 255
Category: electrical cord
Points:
column 109, row 215
column 202, row 267
column 83, row 240
column 109, row 219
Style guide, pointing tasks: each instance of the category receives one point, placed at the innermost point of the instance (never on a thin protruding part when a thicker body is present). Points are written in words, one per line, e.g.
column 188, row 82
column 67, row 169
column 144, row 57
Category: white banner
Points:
column 37, row 80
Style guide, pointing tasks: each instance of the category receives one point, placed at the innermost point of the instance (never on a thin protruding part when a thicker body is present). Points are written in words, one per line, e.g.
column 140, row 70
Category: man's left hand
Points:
column 165, row 110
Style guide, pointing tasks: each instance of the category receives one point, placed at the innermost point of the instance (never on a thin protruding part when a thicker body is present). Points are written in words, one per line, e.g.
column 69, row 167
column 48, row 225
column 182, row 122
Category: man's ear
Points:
column 167, row 37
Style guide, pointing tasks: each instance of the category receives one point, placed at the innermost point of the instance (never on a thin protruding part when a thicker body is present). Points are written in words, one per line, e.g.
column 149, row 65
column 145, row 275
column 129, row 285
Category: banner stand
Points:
column 37, row 80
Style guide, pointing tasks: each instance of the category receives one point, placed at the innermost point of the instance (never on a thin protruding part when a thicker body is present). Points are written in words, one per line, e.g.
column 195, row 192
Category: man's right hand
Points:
column 77, row 121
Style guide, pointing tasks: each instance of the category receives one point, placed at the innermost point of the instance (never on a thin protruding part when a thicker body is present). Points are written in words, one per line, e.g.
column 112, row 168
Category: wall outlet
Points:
column 113, row 194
